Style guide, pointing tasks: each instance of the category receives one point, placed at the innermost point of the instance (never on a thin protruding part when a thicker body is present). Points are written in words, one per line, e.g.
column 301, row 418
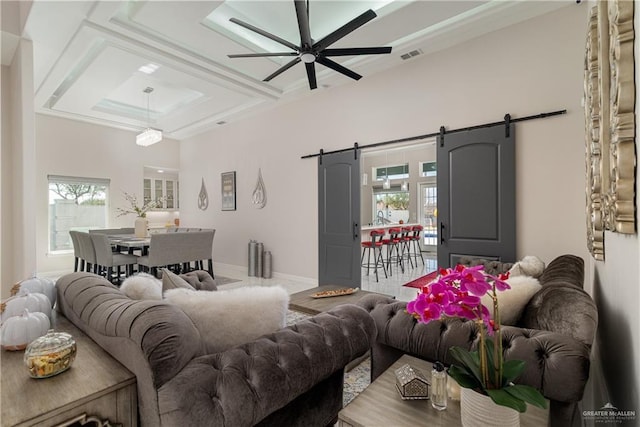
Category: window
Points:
column 390, row 206
column 428, row 169
column 75, row 204
column 392, row 172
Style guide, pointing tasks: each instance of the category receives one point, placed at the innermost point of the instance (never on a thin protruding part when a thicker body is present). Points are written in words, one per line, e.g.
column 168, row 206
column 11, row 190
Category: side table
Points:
column 96, row 387
column 381, row 405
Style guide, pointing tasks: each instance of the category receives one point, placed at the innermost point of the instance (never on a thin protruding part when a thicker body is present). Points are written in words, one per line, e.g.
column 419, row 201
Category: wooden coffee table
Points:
column 304, row 302
column 380, row 405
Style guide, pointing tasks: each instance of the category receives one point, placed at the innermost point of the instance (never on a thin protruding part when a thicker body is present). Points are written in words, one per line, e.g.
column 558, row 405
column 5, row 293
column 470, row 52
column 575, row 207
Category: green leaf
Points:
column 467, row 359
column 501, row 397
column 464, row 377
column 527, row 394
column 511, row 369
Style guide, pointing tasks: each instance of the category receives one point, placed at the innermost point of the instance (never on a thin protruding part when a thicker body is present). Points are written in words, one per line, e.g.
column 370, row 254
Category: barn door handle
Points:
column 442, row 239
column 355, row 231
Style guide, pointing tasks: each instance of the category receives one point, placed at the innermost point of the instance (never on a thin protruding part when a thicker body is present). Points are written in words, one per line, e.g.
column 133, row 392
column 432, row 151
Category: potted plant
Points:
column 457, row 292
column 141, row 223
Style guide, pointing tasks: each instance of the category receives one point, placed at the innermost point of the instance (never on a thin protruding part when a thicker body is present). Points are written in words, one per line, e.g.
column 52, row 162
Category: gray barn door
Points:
column 476, row 195
column 339, row 219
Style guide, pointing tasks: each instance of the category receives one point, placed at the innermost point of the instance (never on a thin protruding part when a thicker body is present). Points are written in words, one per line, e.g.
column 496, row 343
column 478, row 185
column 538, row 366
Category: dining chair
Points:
column 78, row 262
column 107, row 260
column 105, row 231
column 202, row 249
column 87, row 252
column 179, row 249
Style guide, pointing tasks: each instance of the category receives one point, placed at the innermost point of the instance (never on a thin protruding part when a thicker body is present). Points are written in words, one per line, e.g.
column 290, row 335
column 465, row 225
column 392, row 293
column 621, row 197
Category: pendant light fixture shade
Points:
column 386, row 184
column 148, row 136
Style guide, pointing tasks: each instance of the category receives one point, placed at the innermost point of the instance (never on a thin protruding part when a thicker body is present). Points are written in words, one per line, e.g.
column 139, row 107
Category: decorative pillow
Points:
column 512, row 302
column 528, row 266
column 170, row 280
column 142, row 286
column 235, row 316
column 200, row 280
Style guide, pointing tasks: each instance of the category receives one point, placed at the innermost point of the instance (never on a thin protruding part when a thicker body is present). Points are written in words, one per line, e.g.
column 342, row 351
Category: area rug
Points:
column 355, row 380
column 221, row 280
column 422, row 280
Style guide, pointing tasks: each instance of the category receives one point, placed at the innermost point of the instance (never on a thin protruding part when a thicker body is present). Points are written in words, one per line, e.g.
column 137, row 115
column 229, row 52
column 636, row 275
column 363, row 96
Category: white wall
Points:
column 6, row 192
column 22, row 142
column 616, row 290
column 527, row 69
column 71, row 148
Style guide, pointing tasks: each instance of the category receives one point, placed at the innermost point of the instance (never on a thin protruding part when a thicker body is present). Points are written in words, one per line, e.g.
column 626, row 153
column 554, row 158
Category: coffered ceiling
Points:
column 94, row 59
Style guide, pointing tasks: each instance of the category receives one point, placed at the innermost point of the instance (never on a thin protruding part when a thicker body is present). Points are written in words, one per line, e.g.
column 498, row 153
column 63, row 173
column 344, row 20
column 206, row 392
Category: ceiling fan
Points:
column 311, row 51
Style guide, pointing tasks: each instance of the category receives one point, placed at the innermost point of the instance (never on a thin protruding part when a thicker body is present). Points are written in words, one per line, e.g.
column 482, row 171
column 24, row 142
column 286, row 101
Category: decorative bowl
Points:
column 50, row 354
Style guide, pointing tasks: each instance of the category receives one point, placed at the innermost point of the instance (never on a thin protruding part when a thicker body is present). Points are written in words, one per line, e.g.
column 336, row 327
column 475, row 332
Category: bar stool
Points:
column 414, row 243
column 405, row 245
column 393, row 243
column 373, row 245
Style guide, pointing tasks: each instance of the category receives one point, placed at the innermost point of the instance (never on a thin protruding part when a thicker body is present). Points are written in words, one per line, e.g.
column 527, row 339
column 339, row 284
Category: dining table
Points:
column 130, row 242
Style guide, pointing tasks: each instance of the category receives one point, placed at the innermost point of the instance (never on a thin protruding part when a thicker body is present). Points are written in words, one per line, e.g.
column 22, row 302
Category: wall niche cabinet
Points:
column 157, row 186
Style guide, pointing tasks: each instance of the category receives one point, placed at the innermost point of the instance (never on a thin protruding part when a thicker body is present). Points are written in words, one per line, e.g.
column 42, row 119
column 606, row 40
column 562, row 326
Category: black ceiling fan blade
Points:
column 356, row 51
column 259, row 55
column 303, row 24
column 265, row 34
column 344, row 30
column 311, row 75
column 282, row 69
column 337, row 67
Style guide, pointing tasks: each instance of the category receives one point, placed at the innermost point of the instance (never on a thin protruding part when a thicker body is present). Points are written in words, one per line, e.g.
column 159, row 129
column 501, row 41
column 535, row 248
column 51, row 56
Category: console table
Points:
column 380, row 405
column 96, row 388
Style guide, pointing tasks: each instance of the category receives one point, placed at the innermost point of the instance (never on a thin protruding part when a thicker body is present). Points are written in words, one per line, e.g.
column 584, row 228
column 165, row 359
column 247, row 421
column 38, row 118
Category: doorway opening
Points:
column 399, row 189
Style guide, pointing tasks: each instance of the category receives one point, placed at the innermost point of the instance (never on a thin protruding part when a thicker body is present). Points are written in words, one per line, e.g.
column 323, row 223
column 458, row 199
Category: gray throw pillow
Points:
column 171, row 280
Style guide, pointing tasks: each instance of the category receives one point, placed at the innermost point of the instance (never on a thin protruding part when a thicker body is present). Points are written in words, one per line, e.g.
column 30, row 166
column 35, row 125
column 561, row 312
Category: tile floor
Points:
column 392, row 285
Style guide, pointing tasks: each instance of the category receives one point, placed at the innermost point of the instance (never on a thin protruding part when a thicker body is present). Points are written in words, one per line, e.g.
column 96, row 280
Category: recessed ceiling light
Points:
column 160, row 171
column 148, row 68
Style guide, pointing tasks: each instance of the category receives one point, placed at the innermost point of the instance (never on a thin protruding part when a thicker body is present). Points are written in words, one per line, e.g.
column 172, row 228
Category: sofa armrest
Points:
column 556, row 364
column 268, row 373
column 152, row 339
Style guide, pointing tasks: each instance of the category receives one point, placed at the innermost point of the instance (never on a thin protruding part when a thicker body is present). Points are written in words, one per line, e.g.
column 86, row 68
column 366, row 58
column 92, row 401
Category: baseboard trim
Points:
column 239, row 270
column 596, row 392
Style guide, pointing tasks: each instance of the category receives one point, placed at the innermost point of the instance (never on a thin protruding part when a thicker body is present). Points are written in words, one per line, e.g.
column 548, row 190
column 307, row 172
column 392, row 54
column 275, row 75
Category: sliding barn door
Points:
column 339, row 219
column 476, row 195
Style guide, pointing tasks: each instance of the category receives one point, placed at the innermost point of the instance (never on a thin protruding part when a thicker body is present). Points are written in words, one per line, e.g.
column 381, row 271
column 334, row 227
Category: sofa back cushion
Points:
column 232, row 317
column 562, row 305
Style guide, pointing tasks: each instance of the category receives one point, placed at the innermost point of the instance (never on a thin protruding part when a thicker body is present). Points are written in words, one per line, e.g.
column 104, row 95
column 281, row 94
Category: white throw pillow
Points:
column 528, row 266
column 142, row 286
column 235, row 316
column 512, row 302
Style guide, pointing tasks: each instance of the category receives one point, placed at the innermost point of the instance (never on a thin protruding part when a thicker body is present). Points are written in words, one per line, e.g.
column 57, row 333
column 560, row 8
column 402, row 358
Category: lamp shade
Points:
column 149, row 136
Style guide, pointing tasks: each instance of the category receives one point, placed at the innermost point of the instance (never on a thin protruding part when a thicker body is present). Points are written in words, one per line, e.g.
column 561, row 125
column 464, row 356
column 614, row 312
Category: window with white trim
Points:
column 392, row 172
column 75, row 203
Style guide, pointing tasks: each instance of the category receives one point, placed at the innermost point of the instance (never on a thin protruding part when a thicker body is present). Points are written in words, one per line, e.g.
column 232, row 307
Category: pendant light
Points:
column 386, row 184
column 148, row 136
column 405, row 184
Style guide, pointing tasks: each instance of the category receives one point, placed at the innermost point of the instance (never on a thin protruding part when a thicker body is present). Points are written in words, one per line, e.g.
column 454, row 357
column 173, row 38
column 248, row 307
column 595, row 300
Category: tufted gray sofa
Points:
column 292, row 377
column 554, row 337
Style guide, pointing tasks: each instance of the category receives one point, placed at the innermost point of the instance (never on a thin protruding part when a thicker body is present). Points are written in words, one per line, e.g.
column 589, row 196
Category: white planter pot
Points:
column 141, row 225
column 478, row 410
